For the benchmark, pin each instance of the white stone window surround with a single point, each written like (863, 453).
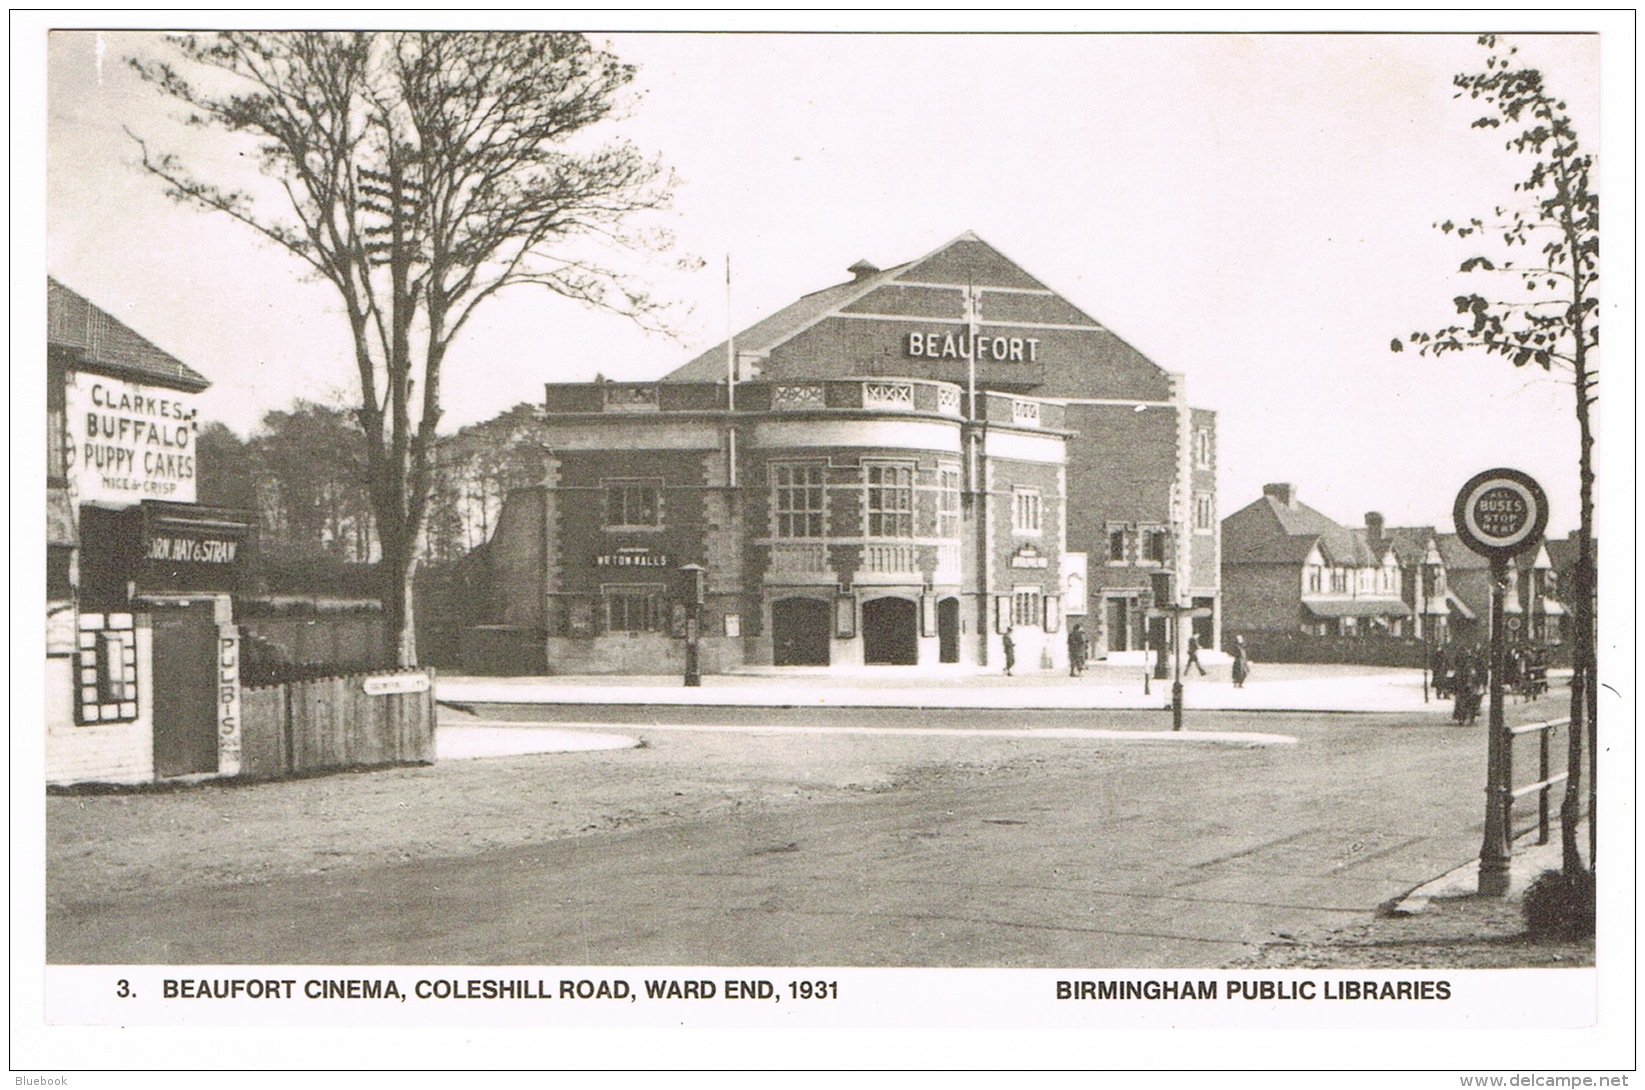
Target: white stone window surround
(1205, 513)
(1025, 512)
(1027, 607)
(799, 500)
(888, 499)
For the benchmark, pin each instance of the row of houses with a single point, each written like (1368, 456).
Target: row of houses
(1291, 574)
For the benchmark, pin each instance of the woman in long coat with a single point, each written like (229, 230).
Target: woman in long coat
(1242, 663)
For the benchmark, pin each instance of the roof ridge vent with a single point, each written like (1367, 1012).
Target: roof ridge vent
(863, 269)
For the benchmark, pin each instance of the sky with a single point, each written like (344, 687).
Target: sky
(1254, 211)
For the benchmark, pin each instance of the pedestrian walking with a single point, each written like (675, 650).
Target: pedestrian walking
(1470, 678)
(1443, 684)
(1010, 650)
(1076, 651)
(1193, 657)
(1242, 663)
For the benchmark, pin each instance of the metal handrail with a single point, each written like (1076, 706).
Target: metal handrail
(1549, 779)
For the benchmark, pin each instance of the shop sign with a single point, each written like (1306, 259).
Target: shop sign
(190, 548)
(228, 701)
(390, 684)
(631, 558)
(949, 346)
(128, 442)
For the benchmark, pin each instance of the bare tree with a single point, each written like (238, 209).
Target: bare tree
(1549, 318)
(422, 173)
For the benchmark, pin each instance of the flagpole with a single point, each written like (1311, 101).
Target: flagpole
(730, 384)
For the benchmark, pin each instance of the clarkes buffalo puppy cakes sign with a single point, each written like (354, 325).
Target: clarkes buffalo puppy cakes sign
(130, 442)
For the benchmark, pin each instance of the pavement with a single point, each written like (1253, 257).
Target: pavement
(1272, 687)
(1527, 860)
(1277, 687)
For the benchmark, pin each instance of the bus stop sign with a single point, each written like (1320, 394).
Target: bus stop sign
(1500, 512)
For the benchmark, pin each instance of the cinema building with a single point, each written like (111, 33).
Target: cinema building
(900, 469)
(142, 678)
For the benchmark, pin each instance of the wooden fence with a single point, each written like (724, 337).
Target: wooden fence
(333, 723)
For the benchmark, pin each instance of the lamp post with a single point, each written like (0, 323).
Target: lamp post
(1175, 612)
(693, 577)
(1422, 619)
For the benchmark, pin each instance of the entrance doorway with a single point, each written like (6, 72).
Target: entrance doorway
(185, 688)
(1119, 624)
(890, 632)
(800, 631)
(948, 630)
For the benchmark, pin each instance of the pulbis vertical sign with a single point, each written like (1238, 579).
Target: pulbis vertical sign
(128, 443)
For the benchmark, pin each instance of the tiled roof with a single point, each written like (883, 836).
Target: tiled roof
(949, 264)
(771, 331)
(1562, 552)
(1410, 543)
(1458, 557)
(1290, 534)
(102, 342)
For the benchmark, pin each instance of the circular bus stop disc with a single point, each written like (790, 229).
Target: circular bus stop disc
(1500, 512)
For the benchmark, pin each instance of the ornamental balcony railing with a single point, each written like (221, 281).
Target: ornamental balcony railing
(799, 558)
(888, 559)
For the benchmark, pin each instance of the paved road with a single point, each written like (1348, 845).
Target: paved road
(1082, 854)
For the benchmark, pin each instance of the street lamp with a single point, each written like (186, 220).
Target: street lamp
(1422, 619)
(1174, 612)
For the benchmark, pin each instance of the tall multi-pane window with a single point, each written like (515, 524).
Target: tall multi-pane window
(1025, 511)
(1205, 512)
(1118, 553)
(633, 503)
(1202, 448)
(948, 503)
(890, 501)
(636, 608)
(1026, 606)
(798, 499)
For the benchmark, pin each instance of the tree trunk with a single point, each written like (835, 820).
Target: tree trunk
(1584, 659)
(396, 574)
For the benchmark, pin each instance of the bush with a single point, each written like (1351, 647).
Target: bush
(1560, 905)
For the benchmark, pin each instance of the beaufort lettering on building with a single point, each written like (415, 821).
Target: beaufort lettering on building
(127, 443)
(950, 346)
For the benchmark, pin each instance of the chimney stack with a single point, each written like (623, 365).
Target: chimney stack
(863, 268)
(1373, 526)
(1286, 494)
